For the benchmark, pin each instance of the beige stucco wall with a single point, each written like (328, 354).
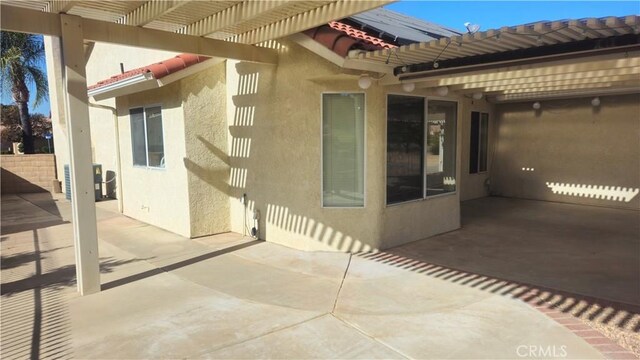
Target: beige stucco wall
(569, 141)
(102, 62)
(277, 111)
(207, 160)
(157, 196)
(275, 136)
(269, 150)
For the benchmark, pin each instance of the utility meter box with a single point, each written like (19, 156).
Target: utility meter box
(97, 181)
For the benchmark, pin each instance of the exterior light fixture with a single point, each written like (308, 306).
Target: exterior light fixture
(595, 102)
(408, 87)
(536, 105)
(477, 95)
(442, 91)
(364, 82)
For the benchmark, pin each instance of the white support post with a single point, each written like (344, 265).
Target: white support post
(85, 233)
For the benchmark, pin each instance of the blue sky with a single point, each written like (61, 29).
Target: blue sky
(488, 14)
(495, 14)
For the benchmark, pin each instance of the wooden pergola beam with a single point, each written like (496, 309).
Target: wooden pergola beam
(307, 20)
(36, 22)
(85, 233)
(612, 80)
(233, 15)
(60, 6)
(149, 11)
(610, 84)
(630, 72)
(609, 61)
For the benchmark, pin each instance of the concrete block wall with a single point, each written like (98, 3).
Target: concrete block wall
(27, 173)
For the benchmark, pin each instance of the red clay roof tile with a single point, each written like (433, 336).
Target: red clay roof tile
(341, 38)
(337, 36)
(158, 70)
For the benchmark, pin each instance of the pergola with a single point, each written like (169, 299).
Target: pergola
(531, 61)
(237, 30)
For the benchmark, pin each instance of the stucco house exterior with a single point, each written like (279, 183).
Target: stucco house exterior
(331, 149)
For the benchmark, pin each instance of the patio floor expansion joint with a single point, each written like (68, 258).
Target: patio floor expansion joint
(344, 276)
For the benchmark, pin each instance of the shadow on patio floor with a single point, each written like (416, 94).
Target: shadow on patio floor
(579, 260)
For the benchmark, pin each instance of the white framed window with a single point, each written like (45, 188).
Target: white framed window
(147, 138)
(421, 147)
(343, 149)
(478, 143)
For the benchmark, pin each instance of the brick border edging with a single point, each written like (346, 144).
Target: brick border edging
(605, 345)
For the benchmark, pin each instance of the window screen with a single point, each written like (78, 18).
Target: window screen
(147, 141)
(343, 150)
(138, 142)
(405, 148)
(155, 143)
(478, 143)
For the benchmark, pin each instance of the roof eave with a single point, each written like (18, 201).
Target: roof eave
(146, 81)
(137, 83)
(348, 62)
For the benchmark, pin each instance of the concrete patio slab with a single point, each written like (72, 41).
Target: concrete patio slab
(20, 215)
(309, 340)
(259, 281)
(491, 328)
(424, 316)
(586, 250)
(168, 317)
(227, 296)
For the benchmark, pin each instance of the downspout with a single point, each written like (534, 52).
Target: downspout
(117, 139)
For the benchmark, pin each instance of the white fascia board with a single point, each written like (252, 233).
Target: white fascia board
(146, 81)
(345, 63)
(126, 86)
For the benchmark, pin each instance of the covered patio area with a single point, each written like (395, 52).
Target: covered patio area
(581, 260)
(580, 249)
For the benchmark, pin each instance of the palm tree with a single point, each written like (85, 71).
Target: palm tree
(19, 59)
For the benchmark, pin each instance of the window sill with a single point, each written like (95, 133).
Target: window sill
(154, 168)
(343, 207)
(423, 199)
